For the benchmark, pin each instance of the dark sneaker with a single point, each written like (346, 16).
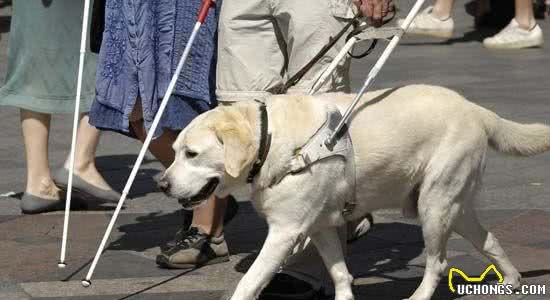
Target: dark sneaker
(230, 212)
(195, 249)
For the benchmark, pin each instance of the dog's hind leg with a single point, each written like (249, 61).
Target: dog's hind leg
(329, 247)
(468, 226)
(438, 206)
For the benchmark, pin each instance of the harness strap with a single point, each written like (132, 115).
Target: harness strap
(315, 150)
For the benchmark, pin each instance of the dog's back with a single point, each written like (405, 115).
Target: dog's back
(402, 135)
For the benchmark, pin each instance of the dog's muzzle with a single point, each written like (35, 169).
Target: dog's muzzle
(203, 194)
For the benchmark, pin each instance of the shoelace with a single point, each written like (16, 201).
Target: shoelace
(191, 236)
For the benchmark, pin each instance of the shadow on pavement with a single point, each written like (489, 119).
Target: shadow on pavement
(476, 35)
(244, 234)
(149, 231)
(157, 284)
(116, 170)
(78, 204)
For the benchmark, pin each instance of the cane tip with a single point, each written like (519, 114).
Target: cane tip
(86, 283)
(61, 265)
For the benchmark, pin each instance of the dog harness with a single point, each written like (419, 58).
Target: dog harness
(312, 151)
(316, 150)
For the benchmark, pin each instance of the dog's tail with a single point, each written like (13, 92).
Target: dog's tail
(514, 138)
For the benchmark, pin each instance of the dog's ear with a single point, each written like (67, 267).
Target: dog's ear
(238, 145)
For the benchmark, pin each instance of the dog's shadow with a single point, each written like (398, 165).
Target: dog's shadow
(384, 262)
(388, 248)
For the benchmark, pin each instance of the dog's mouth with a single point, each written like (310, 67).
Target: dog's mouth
(203, 194)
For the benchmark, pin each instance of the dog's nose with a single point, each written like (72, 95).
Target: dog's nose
(164, 185)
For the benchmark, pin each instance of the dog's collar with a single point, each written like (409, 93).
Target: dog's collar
(265, 142)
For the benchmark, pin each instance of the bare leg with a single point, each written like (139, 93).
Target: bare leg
(36, 127)
(210, 216)
(524, 14)
(443, 9)
(160, 147)
(87, 141)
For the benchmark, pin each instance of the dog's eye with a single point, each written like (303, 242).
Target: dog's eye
(190, 154)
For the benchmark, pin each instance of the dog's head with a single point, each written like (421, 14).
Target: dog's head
(211, 154)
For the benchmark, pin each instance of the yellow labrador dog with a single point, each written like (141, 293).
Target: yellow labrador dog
(418, 147)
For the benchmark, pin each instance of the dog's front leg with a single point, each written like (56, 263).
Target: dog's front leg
(276, 248)
(329, 247)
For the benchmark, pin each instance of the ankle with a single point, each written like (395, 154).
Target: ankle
(43, 186)
(440, 14)
(526, 23)
(82, 166)
(209, 229)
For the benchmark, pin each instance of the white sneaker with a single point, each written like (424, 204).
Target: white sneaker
(515, 37)
(427, 24)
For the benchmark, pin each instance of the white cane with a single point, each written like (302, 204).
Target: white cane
(374, 71)
(206, 4)
(325, 74)
(61, 263)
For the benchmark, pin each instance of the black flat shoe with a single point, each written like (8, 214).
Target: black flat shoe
(84, 190)
(31, 204)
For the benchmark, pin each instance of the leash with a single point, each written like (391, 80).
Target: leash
(375, 70)
(292, 81)
(358, 29)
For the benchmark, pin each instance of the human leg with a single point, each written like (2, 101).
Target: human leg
(525, 15)
(85, 167)
(36, 129)
(208, 217)
(434, 20)
(442, 9)
(306, 27)
(41, 193)
(88, 183)
(242, 74)
(251, 53)
(522, 32)
(207, 223)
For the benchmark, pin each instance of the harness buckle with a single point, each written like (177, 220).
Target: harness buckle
(298, 163)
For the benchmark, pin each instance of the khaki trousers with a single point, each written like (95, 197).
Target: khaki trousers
(262, 43)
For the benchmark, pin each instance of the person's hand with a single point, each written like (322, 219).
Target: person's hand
(374, 10)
